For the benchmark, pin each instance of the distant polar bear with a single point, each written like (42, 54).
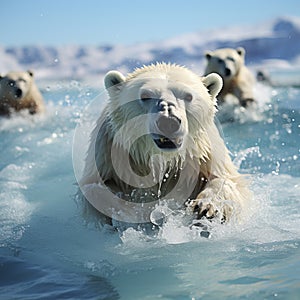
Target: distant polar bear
(237, 79)
(156, 139)
(18, 91)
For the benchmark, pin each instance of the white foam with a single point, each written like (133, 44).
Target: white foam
(15, 210)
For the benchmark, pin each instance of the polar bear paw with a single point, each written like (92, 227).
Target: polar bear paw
(201, 208)
(206, 206)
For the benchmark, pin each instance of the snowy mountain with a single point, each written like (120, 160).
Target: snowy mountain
(276, 43)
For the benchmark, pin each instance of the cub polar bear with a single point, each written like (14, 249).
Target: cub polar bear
(18, 91)
(237, 79)
(156, 139)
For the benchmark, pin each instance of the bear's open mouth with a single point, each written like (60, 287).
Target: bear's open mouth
(163, 142)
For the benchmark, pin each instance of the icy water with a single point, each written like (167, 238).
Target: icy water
(47, 251)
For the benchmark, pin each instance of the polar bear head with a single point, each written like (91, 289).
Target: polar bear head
(15, 85)
(226, 62)
(170, 101)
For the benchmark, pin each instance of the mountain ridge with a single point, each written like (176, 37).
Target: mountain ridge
(274, 42)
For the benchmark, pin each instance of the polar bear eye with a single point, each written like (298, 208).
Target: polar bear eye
(146, 95)
(231, 59)
(188, 97)
(220, 60)
(182, 94)
(11, 83)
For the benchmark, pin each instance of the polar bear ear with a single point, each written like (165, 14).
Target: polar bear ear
(113, 81)
(208, 55)
(241, 51)
(213, 83)
(30, 73)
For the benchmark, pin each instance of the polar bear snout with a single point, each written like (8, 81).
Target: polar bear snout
(168, 133)
(168, 128)
(15, 89)
(168, 125)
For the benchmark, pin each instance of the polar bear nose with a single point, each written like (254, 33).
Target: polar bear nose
(18, 93)
(164, 105)
(168, 125)
(227, 72)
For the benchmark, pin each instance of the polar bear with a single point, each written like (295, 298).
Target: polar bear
(156, 139)
(18, 91)
(237, 79)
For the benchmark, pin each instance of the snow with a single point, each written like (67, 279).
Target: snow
(275, 43)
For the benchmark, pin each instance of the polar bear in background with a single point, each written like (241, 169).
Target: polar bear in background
(237, 79)
(18, 91)
(156, 139)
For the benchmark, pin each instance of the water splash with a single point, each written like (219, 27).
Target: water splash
(243, 154)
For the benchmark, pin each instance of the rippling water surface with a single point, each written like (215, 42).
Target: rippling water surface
(48, 252)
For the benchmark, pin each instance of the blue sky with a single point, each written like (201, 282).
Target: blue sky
(61, 22)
